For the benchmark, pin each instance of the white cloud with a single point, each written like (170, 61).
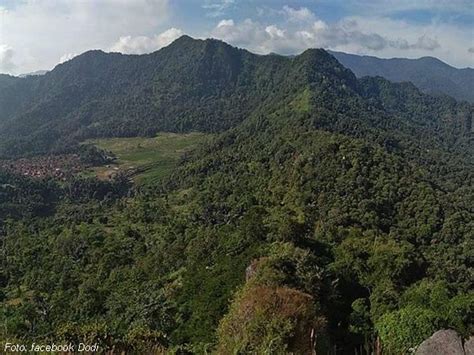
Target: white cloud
(247, 34)
(225, 23)
(425, 42)
(264, 39)
(275, 32)
(217, 8)
(44, 30)
(144, 44)
(6, 58)
(66, 57)
(368, 35)
(298, 15)
(319, 25)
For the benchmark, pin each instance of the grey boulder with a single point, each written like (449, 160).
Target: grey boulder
(443, 342)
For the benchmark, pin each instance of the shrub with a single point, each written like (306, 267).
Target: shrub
(406, 328)
(269, 320)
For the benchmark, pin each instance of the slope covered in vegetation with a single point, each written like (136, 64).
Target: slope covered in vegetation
(191, 85)
(351, 200)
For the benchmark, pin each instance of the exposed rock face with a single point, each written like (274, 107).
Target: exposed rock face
(443, 342)
(469, 346)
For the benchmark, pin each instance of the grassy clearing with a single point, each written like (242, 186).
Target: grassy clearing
(146, 159)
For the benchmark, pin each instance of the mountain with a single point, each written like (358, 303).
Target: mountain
(429, 74)
(326, 212)
(191, 85)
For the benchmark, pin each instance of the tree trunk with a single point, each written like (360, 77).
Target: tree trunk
(378, 346)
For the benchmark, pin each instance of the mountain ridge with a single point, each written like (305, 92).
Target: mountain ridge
(204, 85)
(429, 74)
(143, 86)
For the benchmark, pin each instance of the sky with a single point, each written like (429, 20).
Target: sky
(39, 34)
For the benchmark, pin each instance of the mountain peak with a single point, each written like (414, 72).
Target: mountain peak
(318, 56)
(324, 68)
(92, 53)
(184, 39)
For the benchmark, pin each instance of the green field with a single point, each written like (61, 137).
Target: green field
(146, 159)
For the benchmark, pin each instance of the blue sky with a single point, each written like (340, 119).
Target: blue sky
(38, 34)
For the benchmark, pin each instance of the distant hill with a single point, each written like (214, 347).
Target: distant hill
(429, 74)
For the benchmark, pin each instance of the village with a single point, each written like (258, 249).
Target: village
(60, 167)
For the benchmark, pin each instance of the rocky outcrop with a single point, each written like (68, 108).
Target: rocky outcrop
(469, 346)
(443, 342)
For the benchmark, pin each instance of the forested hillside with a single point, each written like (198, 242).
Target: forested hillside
(190, 85)
(329, 212)
(7, 80)
(429, 74)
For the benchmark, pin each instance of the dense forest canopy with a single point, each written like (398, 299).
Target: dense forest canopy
(325, 205)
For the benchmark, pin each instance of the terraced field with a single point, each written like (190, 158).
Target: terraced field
(146, 159)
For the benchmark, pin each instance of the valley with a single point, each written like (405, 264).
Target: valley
(146, 160)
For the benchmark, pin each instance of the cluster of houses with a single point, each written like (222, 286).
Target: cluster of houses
(58, 166)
